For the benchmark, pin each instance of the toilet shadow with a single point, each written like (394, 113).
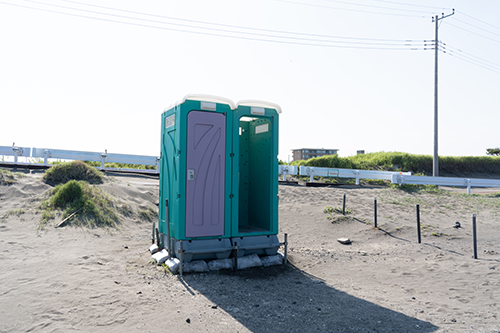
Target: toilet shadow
(287, 299)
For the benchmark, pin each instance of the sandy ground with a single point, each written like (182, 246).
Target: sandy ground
(73, 279)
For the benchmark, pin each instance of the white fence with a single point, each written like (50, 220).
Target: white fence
(395, 177)
(105, 157)
(445, 181)
(348, 173)
(80, 155)
(287, 170)
(15, 151)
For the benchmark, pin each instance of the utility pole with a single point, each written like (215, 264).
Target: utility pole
(435, 159)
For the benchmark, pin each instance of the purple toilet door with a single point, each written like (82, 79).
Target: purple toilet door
(205, 176)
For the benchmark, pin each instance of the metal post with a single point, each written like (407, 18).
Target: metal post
(375, 212)
(343, 206)
(435, 162)
(418, 224)
(167, 220)
(474, 235)
(181, 251)
(153, 234)
(357, 177)
(16, 153)
(284, 175)
(286, 250)
(468, 186)
(157, 238)
(235, 256)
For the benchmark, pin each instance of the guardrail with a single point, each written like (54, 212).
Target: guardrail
(287, 170)
(94, 156)
(46, 153)
(445, 181)
(15, 151)
(348, 173)
(105, 157)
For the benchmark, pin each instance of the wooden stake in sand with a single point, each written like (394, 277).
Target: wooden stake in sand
(286, 250)
(474, 238)
(66, 219)
(418, 224)
(181, 257)
(153, 233)
(235, 256)
(343, 206)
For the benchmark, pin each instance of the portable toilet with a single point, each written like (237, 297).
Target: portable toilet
(255, 178)
(218, 178)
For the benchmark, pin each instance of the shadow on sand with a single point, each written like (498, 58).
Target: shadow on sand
(287, 299)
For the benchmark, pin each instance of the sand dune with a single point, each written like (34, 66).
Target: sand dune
(73, 279)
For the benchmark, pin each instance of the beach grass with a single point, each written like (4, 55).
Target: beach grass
(8, 177)
(398, 161)
(92, 206)
(75, 170)
(147, 214)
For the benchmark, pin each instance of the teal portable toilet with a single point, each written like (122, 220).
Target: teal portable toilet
(255, 178)
(218, 178)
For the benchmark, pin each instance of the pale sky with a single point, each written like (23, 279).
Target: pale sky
(97, 75)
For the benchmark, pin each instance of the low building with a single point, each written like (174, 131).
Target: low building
(307, 153)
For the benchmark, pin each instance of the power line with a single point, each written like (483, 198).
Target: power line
(350, 10)
(475, 26)
(407, 4)
(246, 28)
(377, 7)
(365, 46)
(474, 33)
(472, 17)
(174, 24)
(461, 57)
(470, 60)
(449, 48)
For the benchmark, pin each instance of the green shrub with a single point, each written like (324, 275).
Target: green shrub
(417, 164)
(493, 151)
(70, 193)
(76, 170)
(94, 208)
